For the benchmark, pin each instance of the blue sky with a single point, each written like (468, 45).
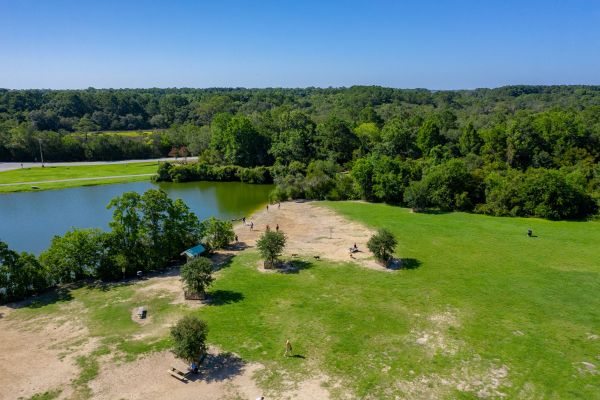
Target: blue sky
(433, 44)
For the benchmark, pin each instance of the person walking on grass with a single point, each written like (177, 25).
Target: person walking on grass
(288, 348)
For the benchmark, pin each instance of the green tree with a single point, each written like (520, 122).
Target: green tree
(429, 136)
(470, 141)
(196, 275)
(382, 245)
(335, 140)
(149, 230)
(217, 233)
(76, 255)
(271, 245)
(362, 172)
(239, 142)
(20, 274)
(416, 195)
(189, 338)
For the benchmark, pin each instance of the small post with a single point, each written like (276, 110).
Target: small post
(41, 154)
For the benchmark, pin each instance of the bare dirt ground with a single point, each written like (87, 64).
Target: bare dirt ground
(39, 355)
(312, 230)
(222, 376)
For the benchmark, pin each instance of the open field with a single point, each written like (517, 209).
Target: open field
(481, 311)
(60, 177)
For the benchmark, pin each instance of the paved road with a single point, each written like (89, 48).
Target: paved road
(15, 165)
(74, 179)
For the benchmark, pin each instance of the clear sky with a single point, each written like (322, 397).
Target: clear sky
(439, 44)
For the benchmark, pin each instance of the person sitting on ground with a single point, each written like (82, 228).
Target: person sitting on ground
(194, 367)
(268, 228)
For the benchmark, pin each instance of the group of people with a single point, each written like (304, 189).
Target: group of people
(252, 222)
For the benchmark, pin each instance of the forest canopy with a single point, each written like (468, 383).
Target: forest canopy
(515, 150)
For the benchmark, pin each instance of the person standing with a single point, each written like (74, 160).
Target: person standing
(251, 225)
(288, 348)
(277, 228)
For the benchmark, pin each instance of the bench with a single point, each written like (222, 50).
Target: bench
(177, 374)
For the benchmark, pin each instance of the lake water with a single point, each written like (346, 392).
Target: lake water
(29, 220)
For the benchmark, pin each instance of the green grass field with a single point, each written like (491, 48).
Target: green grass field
(486, 310)
(75, 172)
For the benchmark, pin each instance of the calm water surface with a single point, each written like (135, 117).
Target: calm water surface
(29, 220)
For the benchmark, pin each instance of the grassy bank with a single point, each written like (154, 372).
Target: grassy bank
(484, 310)
(46, 178)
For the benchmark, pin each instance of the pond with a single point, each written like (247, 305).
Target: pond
(29, 220)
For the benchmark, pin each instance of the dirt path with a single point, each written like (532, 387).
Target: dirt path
(312, 230)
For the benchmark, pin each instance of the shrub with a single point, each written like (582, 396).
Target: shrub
(196, 275)
(382, 244)
(416, 195)
(189, 338)
(271, 245)
(217, 233)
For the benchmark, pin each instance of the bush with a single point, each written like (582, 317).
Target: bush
(189, 338)
(416, 195)
(382, 245)
(20, 275)
(196, 275)
(76, 255)
(217, 233)
(271, 245)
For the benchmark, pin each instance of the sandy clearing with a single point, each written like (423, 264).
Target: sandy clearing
(312, 230)
(40, 355)
(225, 376)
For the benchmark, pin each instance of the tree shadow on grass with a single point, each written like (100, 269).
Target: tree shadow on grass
(293, 266)
(219, 367)
(222, 297)
(58, 295)
(403, 263)
(221, 260)
(238, 246)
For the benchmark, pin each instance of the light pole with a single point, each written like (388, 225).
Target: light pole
(41, 154)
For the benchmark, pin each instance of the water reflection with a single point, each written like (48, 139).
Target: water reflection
(29, 220)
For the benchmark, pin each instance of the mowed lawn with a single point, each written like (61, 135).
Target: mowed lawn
(490, 302)
(75, 172)
(485, 311)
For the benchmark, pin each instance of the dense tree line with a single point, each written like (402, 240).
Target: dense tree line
(518, 150)
(148, 232)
